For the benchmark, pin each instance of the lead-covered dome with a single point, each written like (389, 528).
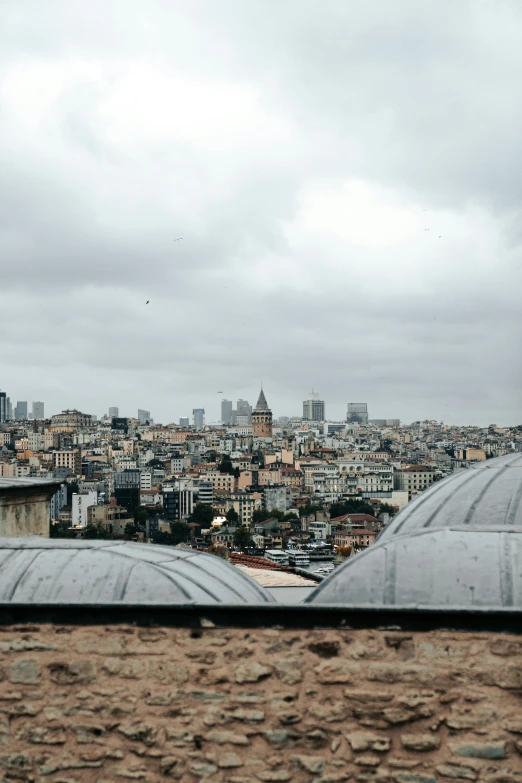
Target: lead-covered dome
(54, 571)
(458, 545)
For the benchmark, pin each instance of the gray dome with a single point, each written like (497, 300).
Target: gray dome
(487, 494)
(60, 571)
(457, 546)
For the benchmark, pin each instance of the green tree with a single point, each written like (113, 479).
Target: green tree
(241, 538)
(61, 530)
(155, 463)
(232, 516)
(386, 508)
(352, 506)
(203, 514)
(225, 466)
(141, 515)
(96, 531)
(259, 515)
(72, 488)
(180, 532)
(237, 472)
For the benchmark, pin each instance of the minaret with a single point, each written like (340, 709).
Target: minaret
(262, 418)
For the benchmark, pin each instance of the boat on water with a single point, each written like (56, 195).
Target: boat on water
(321, 553)
(277, 556)
(298, 559)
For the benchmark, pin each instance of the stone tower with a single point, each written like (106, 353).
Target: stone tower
(262, 418)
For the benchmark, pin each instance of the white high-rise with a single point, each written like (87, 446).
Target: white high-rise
(314, 408)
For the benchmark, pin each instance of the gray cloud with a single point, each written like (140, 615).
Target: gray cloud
(301, 152)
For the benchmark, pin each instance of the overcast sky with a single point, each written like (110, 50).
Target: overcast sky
(346, 177)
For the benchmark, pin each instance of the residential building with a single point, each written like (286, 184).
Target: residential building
(179, 501)
(244, 505)
(357, 413)
(21, 410)
(114, 413)
(68, 458)
(58, 501)
(145, 480)
(275, 498)
(385, 422)
(226, 411)
(205, 491)
(38, 410)
(313, 408)
(127, 489)
(70, 421)
(143, 416)
(262, 418)
(80, 504)
(199, 418)
(413, 479)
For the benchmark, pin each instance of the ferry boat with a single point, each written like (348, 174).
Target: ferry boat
(276, 556)
(298, 558)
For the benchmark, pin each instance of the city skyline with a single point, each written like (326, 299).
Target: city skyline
(213, 414)
(352, 229)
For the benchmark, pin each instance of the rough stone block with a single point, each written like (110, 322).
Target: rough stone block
(395, 672)
(140, 732)
(252, 672)
(273, 776)
(168, 671)
(337, 671)
(44, 735)
(71, 673)
(227, 738)
(420, 742)
(172, 767)
(289, 670)
(367, 761)
(313, 764)
(480, 750)
(229, 760)
(26, 671)
(359, 741)
(458, 773)
(412, 777)
(203, 770)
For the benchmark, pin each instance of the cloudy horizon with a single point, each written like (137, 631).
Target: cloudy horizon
(345, 178)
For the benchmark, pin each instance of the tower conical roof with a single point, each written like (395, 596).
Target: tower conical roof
(262, 404)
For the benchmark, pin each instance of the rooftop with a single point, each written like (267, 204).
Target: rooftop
(64, 571)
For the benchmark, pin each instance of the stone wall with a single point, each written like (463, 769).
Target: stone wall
(124, 703)
(25, 512)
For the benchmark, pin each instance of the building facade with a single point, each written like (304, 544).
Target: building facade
(38, 410)
(3, 406)
(21, 410)
(113, 412)
(199, 418)
(69, 421)
(143, 416)
(357, 413)
(226, 411)
(68, 458)
(314, 408)
(262, 418)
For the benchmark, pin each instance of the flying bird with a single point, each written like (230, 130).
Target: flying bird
(178, 239)
(148, 300)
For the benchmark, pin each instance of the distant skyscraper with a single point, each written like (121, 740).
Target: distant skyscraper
(3, 406)
(357, 413)
(114, 413)
(184, 421)
(199, 417)
(313, 408)
(8, 409)
(143, 416)
(226, 411)
(38, 410)
(21, 410)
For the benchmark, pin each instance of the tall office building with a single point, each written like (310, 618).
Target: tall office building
(21, 410)
(38, 410)
(226, 411)
(313, 408)
(127, 488)
(357, 413)
(8, 409)
(199, 417)
(114, 413)
(3, 406)
(184, 421)
(143, 416)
